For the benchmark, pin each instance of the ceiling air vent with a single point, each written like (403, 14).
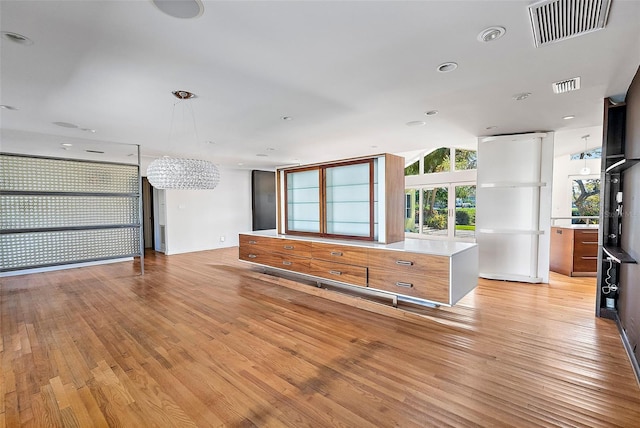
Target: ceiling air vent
(566, 85)
(556, 20)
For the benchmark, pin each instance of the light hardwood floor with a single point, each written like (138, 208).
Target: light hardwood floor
(204, 340)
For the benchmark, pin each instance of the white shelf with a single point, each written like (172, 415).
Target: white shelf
(502, 184)
(512, 231)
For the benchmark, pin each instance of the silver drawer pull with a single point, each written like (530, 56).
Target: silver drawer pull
(336, 253)
(590, 242)
(253, 242)
(404, 284)
(404, 263)
(252, 256)
(335, 272)
(589, 258)
(288, 247)
(286, 263)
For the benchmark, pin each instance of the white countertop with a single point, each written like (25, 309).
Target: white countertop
(578, 226)
(412, 245)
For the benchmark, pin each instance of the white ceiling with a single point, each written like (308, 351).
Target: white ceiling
(350, 74)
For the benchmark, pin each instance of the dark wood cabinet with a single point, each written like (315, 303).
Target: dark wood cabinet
(574, 250)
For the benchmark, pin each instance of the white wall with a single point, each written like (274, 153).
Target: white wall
(197, 219)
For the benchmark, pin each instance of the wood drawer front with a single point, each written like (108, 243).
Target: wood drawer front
(339, 253)
(585, 264)
(585, 249)
(263, 242)
(279, 245)
(428, 287)
(294, 247)
(417, 275)
(268, 258)
(586, 235)
(355, 275)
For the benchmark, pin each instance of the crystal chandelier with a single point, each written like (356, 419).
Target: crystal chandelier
(180, 173)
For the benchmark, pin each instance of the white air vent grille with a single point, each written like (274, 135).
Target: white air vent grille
(556, 20)
(566, 85)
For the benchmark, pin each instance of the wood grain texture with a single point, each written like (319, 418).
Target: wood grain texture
(394, 198)
(339, 253)
(561, 250)
(428, 274)
(278, 245)
(206, 340)
(350, 274)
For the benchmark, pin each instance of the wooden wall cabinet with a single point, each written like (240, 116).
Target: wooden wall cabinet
(574, 250)
(356, 199)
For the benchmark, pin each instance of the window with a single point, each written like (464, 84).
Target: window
(466, 159)
(589, 154)
(413, 169)
(441, 194)
(439, 160)
(585, 200)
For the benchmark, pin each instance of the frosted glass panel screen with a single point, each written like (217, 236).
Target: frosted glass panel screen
(29, 211)
(303, 201)
(348, 200)
(27, 250)
(56, 175)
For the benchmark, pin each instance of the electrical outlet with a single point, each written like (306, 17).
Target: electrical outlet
(222, 238)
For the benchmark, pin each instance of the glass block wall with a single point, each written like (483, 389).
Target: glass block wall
(57, 211)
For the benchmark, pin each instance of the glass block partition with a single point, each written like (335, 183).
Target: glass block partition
(60, 211)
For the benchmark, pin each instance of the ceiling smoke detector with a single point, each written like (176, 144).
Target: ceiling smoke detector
(184, 95)
(557, 20)
(567, 85)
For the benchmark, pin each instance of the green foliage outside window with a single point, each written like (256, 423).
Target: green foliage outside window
(586, 198)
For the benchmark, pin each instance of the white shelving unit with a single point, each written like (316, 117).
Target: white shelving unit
(513, 216)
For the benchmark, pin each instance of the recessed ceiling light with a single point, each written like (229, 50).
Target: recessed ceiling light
(210, 142)
(490, 127)
(490, 34)
(184, 9)
(431, 112)
(66, 144)
(416, 123)
(569, 117)
(522, 96)
(88, 130)
(17, 38)
(65, 124)
(240, 164)
(287, 118)
(447, 67)
(183, 95)
(270, 149)
(6, 107)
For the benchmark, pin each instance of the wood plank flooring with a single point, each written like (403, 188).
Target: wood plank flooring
(204, 340)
